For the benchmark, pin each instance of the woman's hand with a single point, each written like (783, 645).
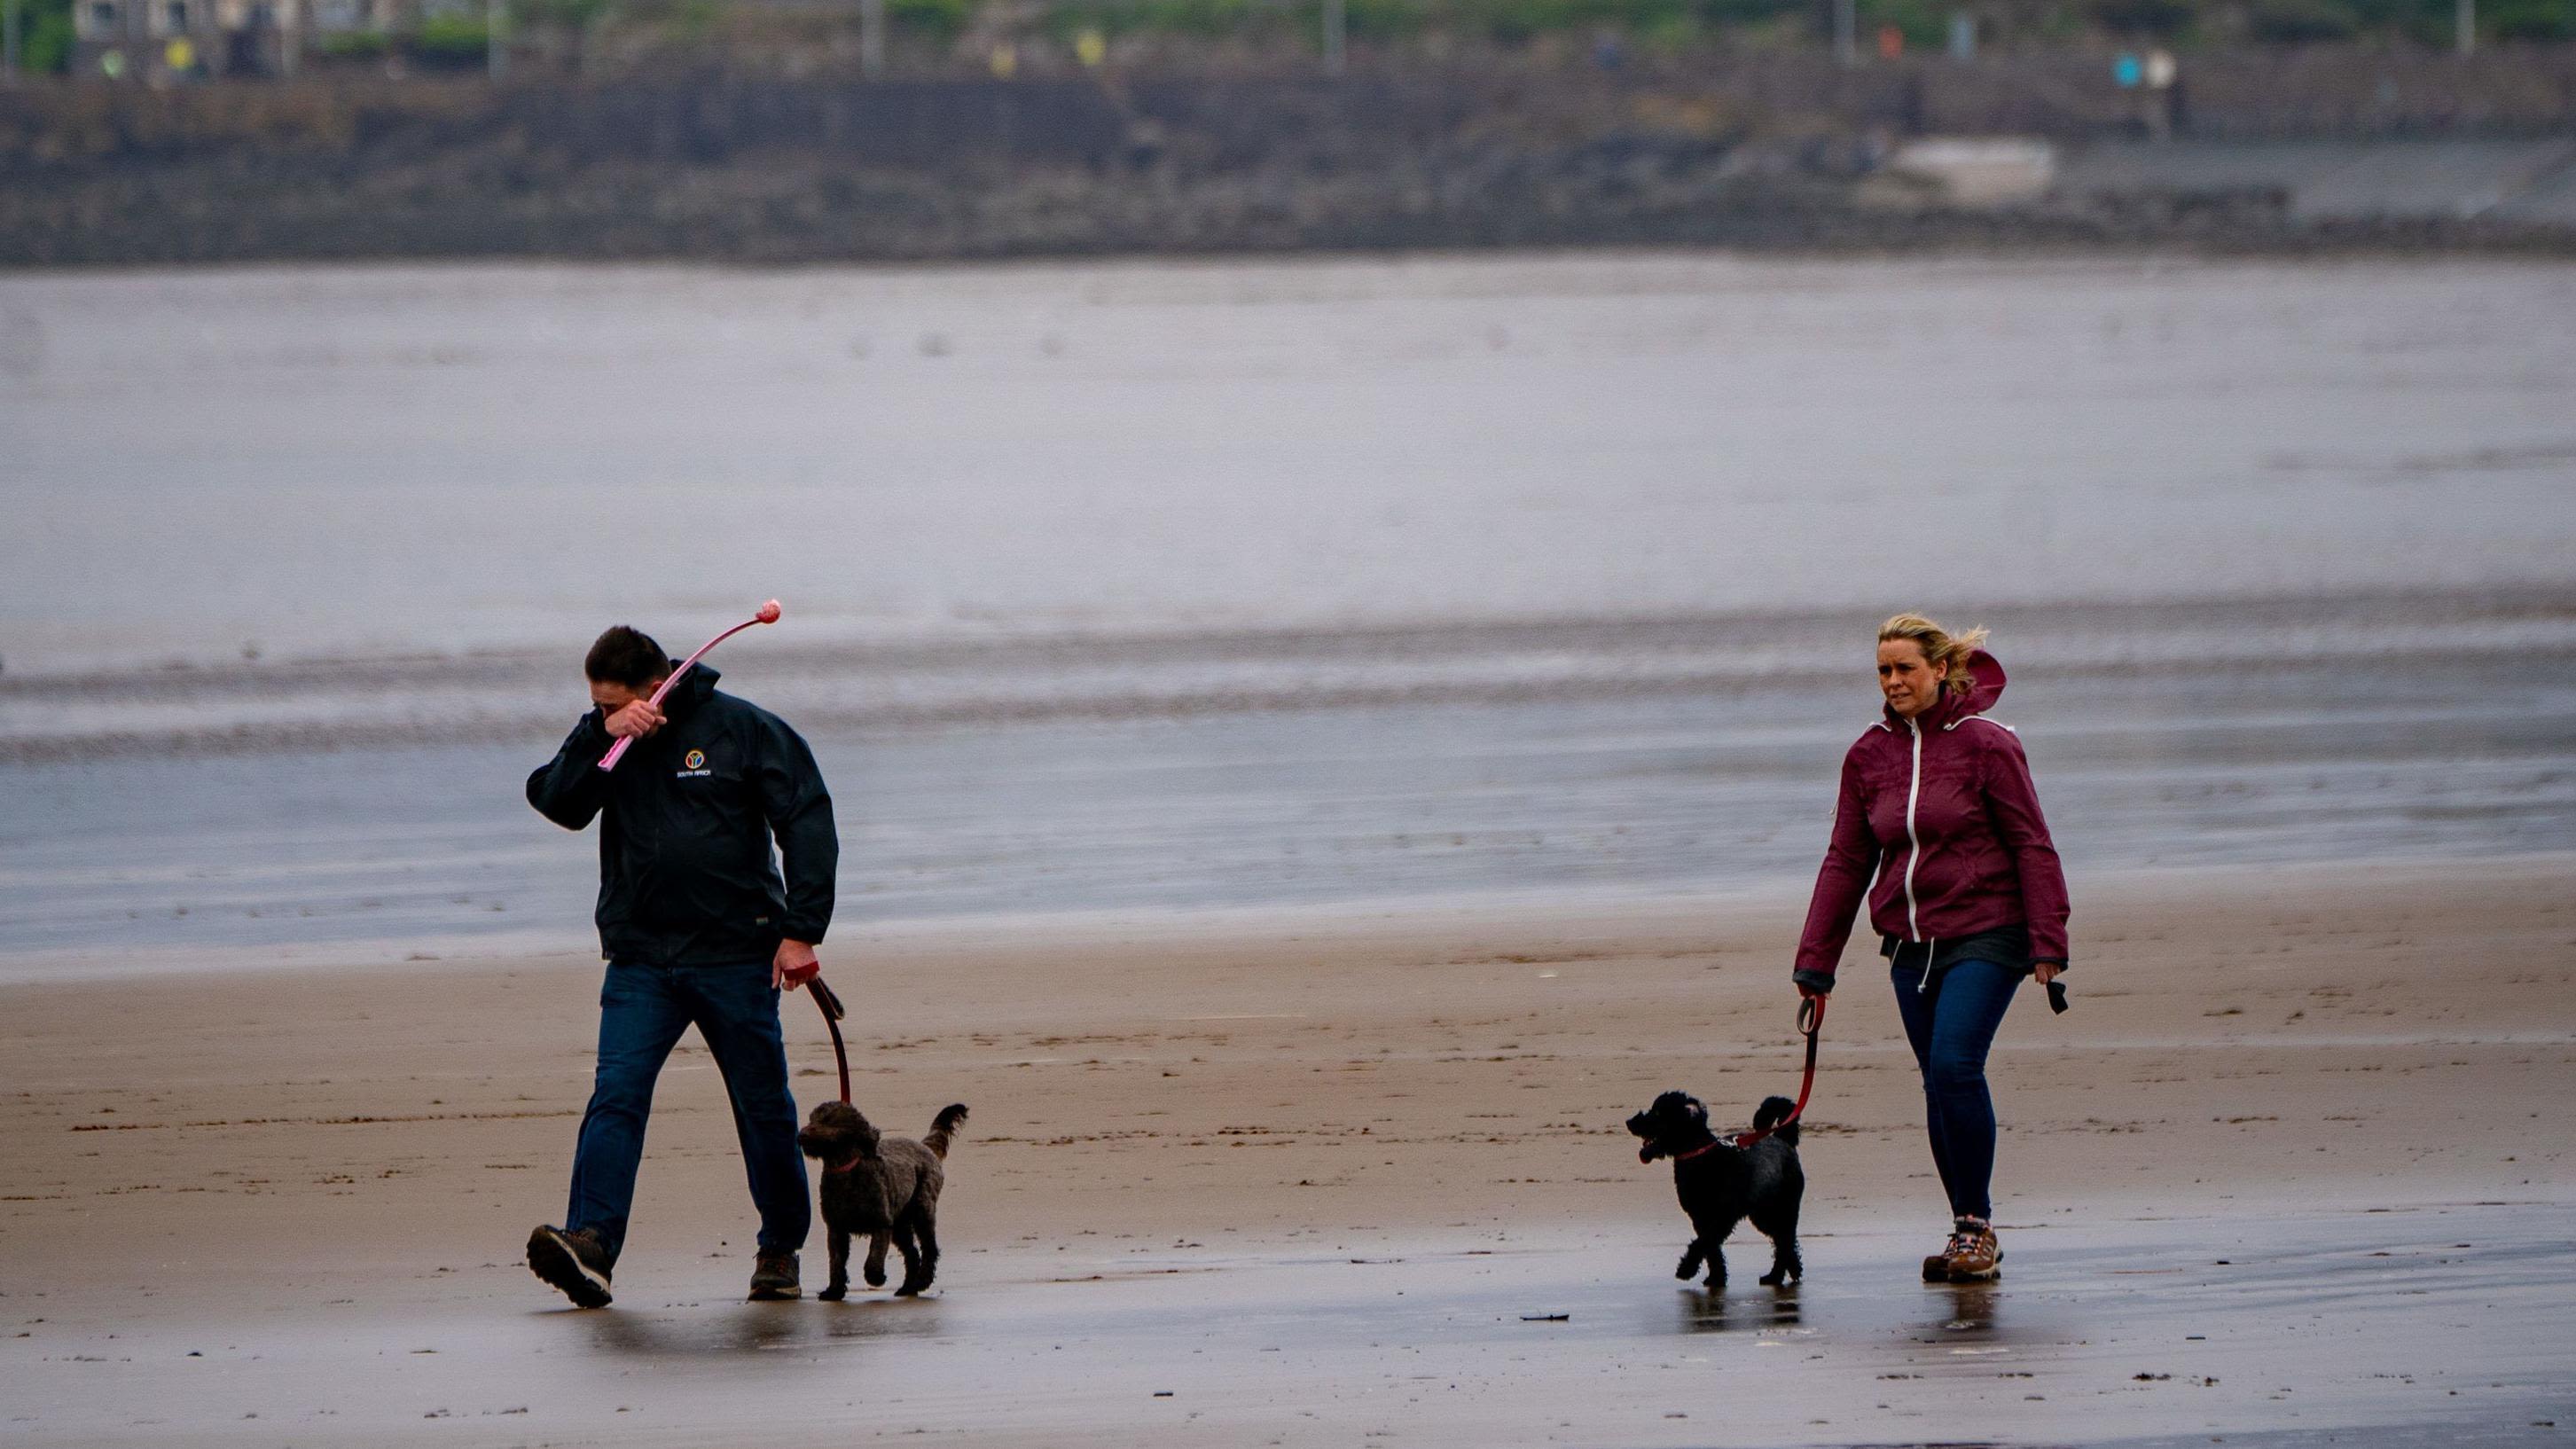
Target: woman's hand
(2047, 971)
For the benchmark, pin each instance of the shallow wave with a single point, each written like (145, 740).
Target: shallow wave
(355, 704)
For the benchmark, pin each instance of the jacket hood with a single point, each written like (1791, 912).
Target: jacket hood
(1988, 673)
(695, 688)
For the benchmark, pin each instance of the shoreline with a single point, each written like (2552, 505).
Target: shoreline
(1356, 922)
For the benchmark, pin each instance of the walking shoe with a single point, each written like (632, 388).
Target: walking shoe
(574, 1262)
(774, 1278)
(1936, 1269)
(1979, 1257)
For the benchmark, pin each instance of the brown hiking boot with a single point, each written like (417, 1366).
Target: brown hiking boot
(1936, 1269)
(773, 1278)
(573, 1262)
(1979, 1257)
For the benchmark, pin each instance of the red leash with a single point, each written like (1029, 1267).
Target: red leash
(1811, 1020)
(829, 1003)
(833, 1011)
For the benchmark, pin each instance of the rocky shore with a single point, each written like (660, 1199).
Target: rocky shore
(1752, 156)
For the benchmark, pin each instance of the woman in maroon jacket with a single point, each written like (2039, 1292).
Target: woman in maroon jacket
(1939, 829)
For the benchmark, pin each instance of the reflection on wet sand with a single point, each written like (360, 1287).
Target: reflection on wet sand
(1973, 1313)
(752, 1327)
(2119, 1330)
(1703, 1311)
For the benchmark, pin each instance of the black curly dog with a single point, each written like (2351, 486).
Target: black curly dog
(1721, 1184)
(881, 1188)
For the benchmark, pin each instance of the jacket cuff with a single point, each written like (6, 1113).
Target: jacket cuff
(1819, 982)
(809, 932)
(2060, 962)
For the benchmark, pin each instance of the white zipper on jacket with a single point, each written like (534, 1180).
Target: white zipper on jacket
(1913, 853)
(1913, 843)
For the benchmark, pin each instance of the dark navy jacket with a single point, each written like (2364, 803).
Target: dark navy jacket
(685, 872)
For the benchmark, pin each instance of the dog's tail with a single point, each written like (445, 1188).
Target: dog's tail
(1773, 1110)
(943, 1127)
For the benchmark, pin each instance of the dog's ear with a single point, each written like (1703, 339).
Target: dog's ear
(1698, 1111)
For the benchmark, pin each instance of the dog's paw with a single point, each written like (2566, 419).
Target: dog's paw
(1770, 1280)
(1687, 1267)
(876, 1276)
(834, 1294)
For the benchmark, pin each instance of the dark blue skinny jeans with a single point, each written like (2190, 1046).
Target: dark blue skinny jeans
(1950, 1028)
(642, 1011)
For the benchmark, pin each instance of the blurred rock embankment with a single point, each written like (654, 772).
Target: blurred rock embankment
(2267, 150)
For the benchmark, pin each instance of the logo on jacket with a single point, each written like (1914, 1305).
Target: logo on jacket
(694, 766)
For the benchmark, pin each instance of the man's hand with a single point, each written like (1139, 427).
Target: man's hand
(793, 966)
(637, 719)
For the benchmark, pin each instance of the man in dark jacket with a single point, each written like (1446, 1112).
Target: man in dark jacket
(698, 927)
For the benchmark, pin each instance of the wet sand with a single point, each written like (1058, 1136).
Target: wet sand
(1313, 1173)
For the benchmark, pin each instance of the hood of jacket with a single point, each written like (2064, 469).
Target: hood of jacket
(1986, 671)
(694, 689)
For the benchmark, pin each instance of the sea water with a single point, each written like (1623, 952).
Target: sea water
(1150, 586)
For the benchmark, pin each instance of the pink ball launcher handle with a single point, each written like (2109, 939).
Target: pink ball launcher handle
(768, 615)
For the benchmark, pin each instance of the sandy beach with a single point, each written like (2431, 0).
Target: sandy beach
(1307, 1172)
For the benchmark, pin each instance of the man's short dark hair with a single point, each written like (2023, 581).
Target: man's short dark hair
(626, 656)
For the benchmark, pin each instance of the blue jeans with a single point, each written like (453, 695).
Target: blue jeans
(1950, 1029)
(642, 1011)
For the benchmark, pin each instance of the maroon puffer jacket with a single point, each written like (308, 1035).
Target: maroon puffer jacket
(1940, 827)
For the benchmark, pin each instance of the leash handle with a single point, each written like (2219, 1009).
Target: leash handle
(1811, 1020)
(827, 999)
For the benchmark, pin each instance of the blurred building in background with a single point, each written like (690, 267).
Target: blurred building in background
(1014, 38)
(203, 39)
(148, 38)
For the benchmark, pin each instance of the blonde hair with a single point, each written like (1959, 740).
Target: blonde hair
(1942, 650)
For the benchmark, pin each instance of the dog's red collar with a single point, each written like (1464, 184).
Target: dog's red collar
(844, 1167)
(1700, 1151)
